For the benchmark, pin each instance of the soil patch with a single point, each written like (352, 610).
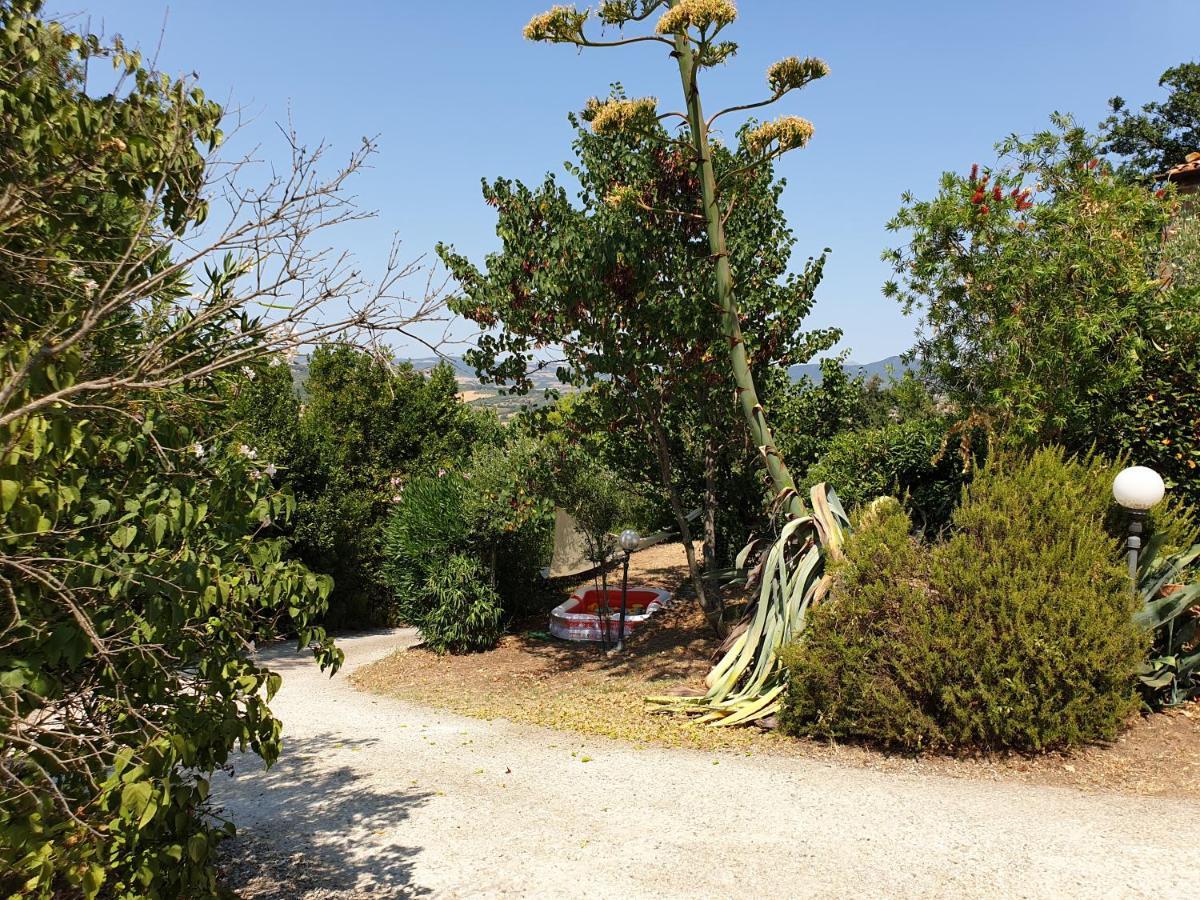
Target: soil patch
(533, 679)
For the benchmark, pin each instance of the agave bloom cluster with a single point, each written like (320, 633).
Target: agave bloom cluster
(789, 132)
(617, 115)
(794, 72)
(617, 12)
(560, 23)
(700, 14)
(620, 195)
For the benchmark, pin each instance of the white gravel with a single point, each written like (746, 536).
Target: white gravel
(377, 798)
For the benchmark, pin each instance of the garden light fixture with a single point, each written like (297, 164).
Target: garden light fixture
(630, 540)
(1137, 488)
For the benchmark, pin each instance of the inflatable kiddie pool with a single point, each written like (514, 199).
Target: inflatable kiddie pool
(579, 619)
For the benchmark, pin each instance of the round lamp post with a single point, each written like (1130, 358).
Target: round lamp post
(1137, 488)
(629, 542)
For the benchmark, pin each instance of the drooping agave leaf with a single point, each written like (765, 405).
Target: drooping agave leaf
(746, 683)
(1172, 674)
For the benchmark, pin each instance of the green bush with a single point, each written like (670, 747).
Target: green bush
(898, 459)
(465, 610)
(364, 427)
(493, 513)
(1016, 632)
(423, 531)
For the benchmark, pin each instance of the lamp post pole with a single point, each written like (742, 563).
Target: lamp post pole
(1136, 488)
(629, 542)
(1133, 543)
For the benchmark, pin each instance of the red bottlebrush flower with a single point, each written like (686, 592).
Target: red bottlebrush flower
(974, 172)
(1014, 193)
(1160, 193)
(983, 209)
(977, 197)
(1092, 163)
(997, 194)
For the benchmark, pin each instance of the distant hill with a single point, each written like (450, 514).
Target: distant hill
(888, 369)
(489, 394)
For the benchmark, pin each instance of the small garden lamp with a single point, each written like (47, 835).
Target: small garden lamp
(629, 542)
(1136, 488)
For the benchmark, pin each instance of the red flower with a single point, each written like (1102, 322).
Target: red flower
(977, 197)
(1093, 163)
(997, 194)
(983, 210)
(974, 172)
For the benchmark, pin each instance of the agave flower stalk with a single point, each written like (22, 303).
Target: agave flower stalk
(748, 681)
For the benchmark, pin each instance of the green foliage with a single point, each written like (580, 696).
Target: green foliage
(465, 609)
(1038, 283)
(620, 287)
(132, 557)
(364, 427)
(1016, 632)
(1162, 133)
(1181, 250)
(509, 513)
(493, 514)
(1171, 610)
(425, 528)
(903, 458)
(809, 415)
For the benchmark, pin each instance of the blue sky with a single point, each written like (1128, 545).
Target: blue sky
(454, 94)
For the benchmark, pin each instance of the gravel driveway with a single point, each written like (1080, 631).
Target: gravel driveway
(373, 797)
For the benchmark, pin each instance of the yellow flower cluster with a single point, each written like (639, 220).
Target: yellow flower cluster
(561, 23)
(612, 116)
(617, 12)
(696, 14)
(620, 195)
(789, 132)
(794, 72)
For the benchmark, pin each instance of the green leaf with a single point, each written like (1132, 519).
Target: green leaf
(9, 490)
(135, 798)
(197, 847)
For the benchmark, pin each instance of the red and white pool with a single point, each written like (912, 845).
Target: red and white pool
(579, 618)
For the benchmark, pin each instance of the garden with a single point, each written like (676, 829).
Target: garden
(984, 565)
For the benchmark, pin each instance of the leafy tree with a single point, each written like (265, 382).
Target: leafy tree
(1162, 133)
(1038, 286)
(615, 286)
(691, 31)
(133, 562)
(365, 426)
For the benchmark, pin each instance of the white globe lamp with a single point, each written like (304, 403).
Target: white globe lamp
(1138, 489)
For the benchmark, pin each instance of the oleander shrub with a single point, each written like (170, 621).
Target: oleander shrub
(494, 513)
(465, 613)
(1014, 632)
(904, 459)
(424, 529)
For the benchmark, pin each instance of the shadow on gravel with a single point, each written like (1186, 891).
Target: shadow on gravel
(308, 829)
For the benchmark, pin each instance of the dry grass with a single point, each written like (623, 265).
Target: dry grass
(575, 687)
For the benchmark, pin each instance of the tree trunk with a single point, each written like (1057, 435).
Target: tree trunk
(710, 506)
(713, 612)
(781, 479)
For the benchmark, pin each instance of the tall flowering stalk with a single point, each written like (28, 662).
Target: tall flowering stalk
(691, 29)
(747, 683)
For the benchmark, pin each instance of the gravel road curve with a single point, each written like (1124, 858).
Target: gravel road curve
(373, 797)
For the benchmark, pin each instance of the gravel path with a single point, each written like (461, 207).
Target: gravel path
(377, 798)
